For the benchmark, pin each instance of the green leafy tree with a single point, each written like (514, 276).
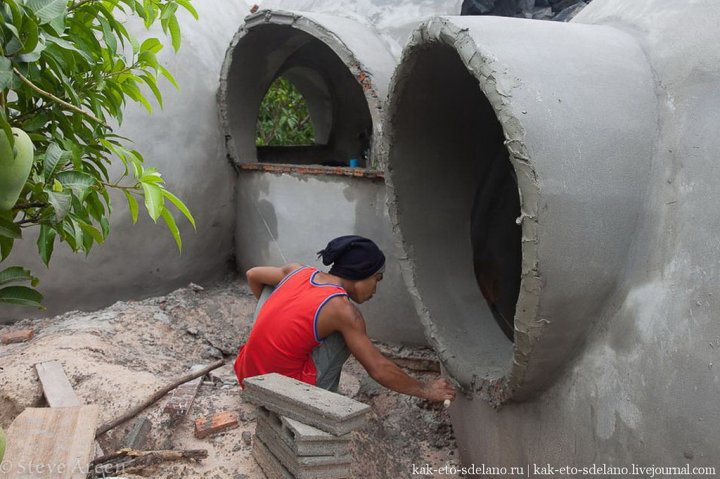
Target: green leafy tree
(67, 69)
(283, 118)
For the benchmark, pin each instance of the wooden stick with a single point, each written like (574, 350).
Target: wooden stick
(156, 397)
(134, 460)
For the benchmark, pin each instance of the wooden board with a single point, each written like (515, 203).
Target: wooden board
(51, 442)
(56, 387)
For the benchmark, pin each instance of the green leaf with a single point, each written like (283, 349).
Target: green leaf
(168, 10)
(108, 35)
(180, 206)
(6, 73)
(6, 246)
(48, 10)
(77, 181)
(15, 274)
(172, 226)
(168, 76)
(92, 231)
(46, 243)
(29, 35)
(21, 295)
(175, 35)
(132, 205)
(152, 84)
(61, 203)
(188, 6)
(154, 200)
(151, 45)
(9, 229)
(54, 160)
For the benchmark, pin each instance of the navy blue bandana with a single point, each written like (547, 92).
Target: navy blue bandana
(353, 257)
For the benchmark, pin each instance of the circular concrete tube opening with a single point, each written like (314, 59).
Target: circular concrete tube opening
(516, 154)
(342, 84)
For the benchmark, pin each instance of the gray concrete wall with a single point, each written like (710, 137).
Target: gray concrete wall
(185, 142)
(642, 386)
(283, 218)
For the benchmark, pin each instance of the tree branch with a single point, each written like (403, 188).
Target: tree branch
(79, 4)
(57, 100)
(31, 204)
(156, 397)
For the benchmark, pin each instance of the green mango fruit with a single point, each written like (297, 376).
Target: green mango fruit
(2, 444)
(15, 166)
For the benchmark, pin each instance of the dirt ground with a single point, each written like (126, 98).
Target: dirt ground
(119, 356)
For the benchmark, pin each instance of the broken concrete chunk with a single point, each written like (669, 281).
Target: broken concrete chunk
(308, 404)
(217, 423)
(17, 336)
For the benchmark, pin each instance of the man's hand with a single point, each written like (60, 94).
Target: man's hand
(438, 390)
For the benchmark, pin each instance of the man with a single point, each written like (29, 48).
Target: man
(308, 327)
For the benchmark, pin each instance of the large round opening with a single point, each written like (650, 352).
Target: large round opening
(457, 207)
(336, 101)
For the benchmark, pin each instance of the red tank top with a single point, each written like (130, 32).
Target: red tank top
(285, 331)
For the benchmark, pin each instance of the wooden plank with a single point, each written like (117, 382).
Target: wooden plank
(51, 442)
(183, 396)
(56, 387)
(217, 423)
(17, 336)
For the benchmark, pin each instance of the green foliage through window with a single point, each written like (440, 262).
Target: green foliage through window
(284, 119)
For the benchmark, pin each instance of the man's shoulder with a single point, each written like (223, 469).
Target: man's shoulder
(340, 309)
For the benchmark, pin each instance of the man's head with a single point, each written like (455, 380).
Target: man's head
(358, 261)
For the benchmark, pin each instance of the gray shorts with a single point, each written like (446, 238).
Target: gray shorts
(328, 357)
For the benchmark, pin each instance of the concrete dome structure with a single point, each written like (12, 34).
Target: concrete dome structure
(606, 133)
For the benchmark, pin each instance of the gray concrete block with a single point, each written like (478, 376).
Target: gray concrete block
(328, 411)
(308, 467)
(270, 464)
(304, 440)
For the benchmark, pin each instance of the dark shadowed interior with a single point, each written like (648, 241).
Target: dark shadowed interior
(457, 206)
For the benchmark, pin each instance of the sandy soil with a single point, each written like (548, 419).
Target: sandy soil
(119, 356)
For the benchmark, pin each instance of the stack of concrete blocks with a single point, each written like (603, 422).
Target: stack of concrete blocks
(303, 432)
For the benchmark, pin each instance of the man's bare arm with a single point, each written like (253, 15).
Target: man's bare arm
(344, 317)
(260, 276)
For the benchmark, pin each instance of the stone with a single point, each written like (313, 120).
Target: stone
(17, 336)
(308, 404)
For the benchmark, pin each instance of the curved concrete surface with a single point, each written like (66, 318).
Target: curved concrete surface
(341, 67)
(573, 109)
(185, 142)
(643, 390)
